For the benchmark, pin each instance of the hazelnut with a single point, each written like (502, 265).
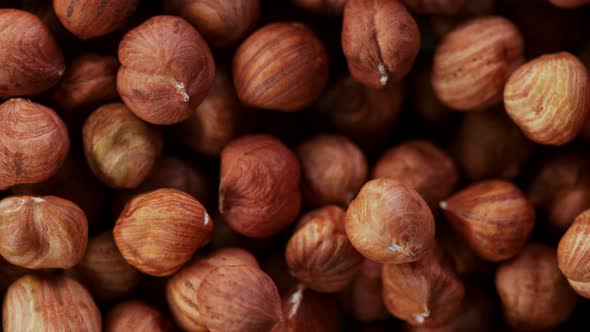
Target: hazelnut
(548, 98)
(334, 169)
(30, 58)
(362, 113)
(215, 122)
(287, 85)
(92, 18)
(159, 231)
(166, 70)
(259, 191)
(75, 182)
(572, 254)
(34, 142)
(489, 145)
(49, 303)
(169, 172)
(443, 24)
(473, 62)
(104, 271)
(559, 189)
(228, 301)
(42, 232)
(494, 217)
(326, 7)
(136, 316)
(223, 22)
(320, 255)
(477, 313)
(437, 7)
(380, 40)
(306, 310)
(181, 289)
(421, 165)
(367, 293)
(424, 293)
(120, 148)
(389, 222)
(534, 293)
(90, 79)
(569, 3)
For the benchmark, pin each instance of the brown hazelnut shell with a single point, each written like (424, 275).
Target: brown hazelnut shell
(104, 271)
(425, 293)
(365, 114)
(259, 192)
(472, 63)
(120, 148)
(30, 58)
(488, 145)
(389, 222)
(221, 23)
(34, 142)
(534, 293)
(421, 165)
(89, 79)
(367, 293)
(549, 97)
(159, 231)
(573, 256)
(334, 169)
(559, 189)
(215, 122)
(135, 315)
(239, 298)
(166, 70)
(380, 40)
(49, 303)
(569, 3)
(319, 253)
(42, 232)
(494, 217)
(92, 18)
(181, 289)
(308, 311)
(287, 85)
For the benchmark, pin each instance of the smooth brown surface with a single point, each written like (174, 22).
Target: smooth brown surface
(534, 293)
(159, 231)
(42, 232)
(30, 58)
(166, 70)
(424, 293)
(120, 148)
(136, 316)
(34, 142)
(494, 217)
(222, 22)
(380, 40)
(92, 18)
(319, 253)
(421, 165)
(281, 66)
(334, 169)
(49, 303)
(473, 62)
(389, 222)
(182, 288)
(259, 192)
(548, 98)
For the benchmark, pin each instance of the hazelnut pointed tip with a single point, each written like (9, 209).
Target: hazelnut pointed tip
(383, 76)
(443, 205)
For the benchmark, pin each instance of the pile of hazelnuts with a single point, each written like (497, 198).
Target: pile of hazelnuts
(294, 165)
